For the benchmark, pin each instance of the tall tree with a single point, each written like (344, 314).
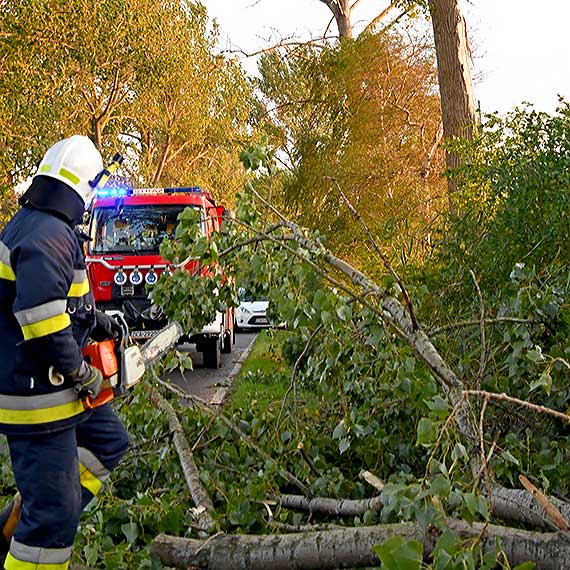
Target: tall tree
(359, 117)
(341, 10)
(136, 75)
(454, 73)
(196, 106)
(453, 61)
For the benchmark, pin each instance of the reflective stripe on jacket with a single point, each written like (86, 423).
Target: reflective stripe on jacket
(46, 315)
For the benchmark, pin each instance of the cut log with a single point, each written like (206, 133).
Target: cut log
(518, 505)
(329, 506)
(350, 548)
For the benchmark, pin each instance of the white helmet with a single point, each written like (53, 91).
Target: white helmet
(75, 162)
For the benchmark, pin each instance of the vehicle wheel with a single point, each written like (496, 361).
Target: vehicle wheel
(227, 344)
(211, 353)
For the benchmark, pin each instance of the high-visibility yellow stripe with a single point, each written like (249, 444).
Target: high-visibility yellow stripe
(79, 289)
(45, 168)
(6, 272)
(41, 415)
(15, 564)
(73, 178)
(47, 326)
(88, 480)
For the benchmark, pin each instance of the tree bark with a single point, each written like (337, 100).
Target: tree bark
(518, 505)
(327, 505)
(509, 505)
(341, 13)
(350, 548)
(204, 506)
(454, 75)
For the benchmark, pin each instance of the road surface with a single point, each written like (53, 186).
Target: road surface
(208, 383)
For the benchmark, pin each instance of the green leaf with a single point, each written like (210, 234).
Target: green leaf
(344, 313)
(340, 430)
(438, 406)
(440, 486)
(286, 436)
(508, 456)
(425, 515)
(544, 380)
(91, 553)
(525, 566)
(426, 432)
(459, 452)
(131, 531)
(449, 542)
(535, 355)
(344, 444)
(399, 554)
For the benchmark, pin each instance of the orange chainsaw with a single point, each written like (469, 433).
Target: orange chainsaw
(122, 366)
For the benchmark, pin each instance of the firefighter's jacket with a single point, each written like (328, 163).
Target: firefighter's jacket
(46, 315)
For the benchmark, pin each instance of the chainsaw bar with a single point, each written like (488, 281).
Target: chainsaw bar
(161, 342)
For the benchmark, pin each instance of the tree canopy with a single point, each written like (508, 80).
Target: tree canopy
(136, 75)
(359, 118)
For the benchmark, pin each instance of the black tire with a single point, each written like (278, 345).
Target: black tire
(227, 344)
(212, 354)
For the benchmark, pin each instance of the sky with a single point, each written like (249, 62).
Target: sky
(521, 48)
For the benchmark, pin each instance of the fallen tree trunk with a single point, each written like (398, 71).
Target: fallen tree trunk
(329, 506)
(350, 548)
(510, 505)
(518, 505)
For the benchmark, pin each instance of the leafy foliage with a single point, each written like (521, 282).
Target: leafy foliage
(360, 117)
(382, 409)
(138, 76)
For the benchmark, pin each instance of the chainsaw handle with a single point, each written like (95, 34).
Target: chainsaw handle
(105, 396)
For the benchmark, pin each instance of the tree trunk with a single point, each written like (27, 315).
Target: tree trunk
(518, 505)
(350, 548)
(454, 75)
(341, 13)
(336, 507)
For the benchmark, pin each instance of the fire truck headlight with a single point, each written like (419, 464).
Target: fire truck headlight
(136, 277)
(120, 278)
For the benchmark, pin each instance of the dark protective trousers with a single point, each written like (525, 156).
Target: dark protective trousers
(57, 475)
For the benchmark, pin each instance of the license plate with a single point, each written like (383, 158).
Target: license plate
(261, 321)
(127, 290)
(142, 334)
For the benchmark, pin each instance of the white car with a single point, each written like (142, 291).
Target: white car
(252, 314)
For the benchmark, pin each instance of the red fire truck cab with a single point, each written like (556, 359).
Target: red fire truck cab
(126, 228)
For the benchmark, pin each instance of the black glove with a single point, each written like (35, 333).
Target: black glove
(106, 327)
(88, 380)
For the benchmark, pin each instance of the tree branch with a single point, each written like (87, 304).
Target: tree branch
(379, 17)
(523, 403)
(204, 506)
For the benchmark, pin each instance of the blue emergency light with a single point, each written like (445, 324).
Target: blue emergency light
(115, 187)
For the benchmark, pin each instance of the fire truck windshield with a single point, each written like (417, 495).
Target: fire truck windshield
(133, 228)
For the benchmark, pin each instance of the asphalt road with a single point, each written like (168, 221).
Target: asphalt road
(208, 383)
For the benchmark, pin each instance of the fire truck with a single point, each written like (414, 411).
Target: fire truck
(126, 228)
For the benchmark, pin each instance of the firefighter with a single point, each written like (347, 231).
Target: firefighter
(61, 454)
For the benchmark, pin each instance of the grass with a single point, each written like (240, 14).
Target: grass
(264, 375)
(265, 379)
